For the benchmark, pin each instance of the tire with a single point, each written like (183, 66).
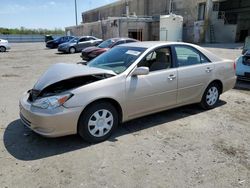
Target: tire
(2, 49)
(94, 126)
(211, 96)
(72, 50)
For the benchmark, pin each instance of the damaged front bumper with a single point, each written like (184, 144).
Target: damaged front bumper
(49, 123)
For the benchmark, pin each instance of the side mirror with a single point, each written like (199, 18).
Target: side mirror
(140, 71)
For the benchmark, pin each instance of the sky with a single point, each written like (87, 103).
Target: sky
(47, 14)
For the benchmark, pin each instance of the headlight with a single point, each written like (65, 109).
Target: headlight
(52, 102)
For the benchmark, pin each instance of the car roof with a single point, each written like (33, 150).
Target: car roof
(121, 38)
(149, 44)
(155, 44)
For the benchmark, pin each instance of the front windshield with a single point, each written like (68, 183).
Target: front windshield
(106, 43)
(117, 59)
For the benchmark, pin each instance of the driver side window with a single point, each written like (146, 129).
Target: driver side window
(82, 40)
(158, 59)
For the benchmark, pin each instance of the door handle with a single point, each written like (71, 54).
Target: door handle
(209, 69)
(171, 77)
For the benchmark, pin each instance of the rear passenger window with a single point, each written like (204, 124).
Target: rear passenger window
(83, 40)
(187, 56)
(119, 42)
(129, 41)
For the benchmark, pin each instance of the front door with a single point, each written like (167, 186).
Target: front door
(83, 43)
(155, 91)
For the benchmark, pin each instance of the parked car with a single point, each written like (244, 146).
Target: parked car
(48, 38)
(92, 52)
(246, 46)
(54, 43)
(128, 81)
(4, 45)
(78, 44)
(243, 66)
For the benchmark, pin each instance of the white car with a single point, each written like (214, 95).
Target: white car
(4, 45)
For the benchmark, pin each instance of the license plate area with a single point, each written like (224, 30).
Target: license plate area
(247, 74)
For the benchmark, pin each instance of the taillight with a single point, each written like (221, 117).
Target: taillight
(234, 65)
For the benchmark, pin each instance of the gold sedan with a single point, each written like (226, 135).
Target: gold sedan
(128, 81)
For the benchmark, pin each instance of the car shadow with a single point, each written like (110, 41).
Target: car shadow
(61, 53)
(24, 144)
(64, 53)
(242, 85)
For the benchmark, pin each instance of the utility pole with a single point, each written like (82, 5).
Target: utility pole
(207, 21)
(76, 12)
(170, 7)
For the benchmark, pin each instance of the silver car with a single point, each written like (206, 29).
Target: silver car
(127, 82)
(78, 44)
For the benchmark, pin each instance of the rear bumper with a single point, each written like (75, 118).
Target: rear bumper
(49, 123)
(8, 47)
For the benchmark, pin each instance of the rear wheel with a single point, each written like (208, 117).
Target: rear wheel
(97, 122)
(2, 49)
(211, 96)
(72, 50)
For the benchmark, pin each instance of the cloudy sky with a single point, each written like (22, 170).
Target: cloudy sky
(44, 13)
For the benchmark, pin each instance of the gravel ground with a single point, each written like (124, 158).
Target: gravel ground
(183, 147)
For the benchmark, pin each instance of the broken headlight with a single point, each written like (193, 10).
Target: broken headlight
(52, 102)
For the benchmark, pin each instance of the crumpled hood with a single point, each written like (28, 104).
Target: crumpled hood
(63, 71)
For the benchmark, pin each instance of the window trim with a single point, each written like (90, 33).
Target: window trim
(190, 47)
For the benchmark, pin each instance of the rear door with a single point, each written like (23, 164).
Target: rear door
(194, 72)
(83, 43)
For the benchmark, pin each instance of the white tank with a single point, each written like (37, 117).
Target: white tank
(171, 27)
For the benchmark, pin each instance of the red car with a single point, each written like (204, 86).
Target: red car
(92, 52)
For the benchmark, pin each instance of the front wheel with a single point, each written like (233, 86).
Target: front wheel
(97, 122)
(72, 50)
(2, 49)
(211, 96)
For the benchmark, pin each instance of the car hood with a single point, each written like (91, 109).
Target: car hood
(63, 71)
(4, 41)
(91, 49)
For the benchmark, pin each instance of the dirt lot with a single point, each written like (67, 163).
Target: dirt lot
(184, 147)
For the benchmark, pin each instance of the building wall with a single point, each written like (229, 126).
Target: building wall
(186, 8)
(118, 9)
